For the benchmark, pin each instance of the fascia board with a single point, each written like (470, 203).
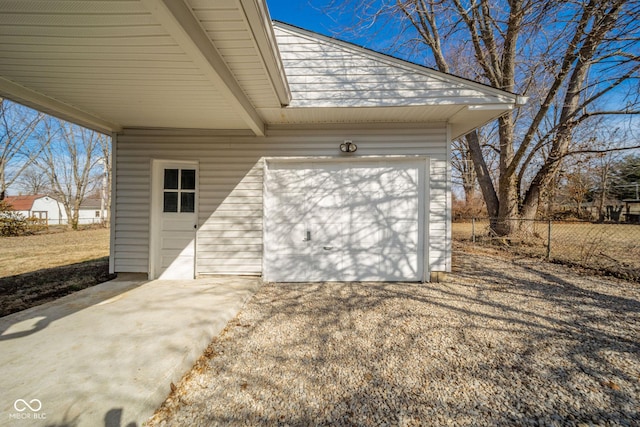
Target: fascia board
(464, 125)
(259, 21)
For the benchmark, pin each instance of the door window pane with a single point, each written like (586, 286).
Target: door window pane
(171, 179)
(170, 201)
(187, 202)
(188, 181)
(179, 190)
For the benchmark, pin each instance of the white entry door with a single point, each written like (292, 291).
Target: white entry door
(174, 220)
(344, 221)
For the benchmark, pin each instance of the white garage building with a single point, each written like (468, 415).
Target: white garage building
(246, 147)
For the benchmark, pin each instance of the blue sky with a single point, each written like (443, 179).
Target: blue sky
(308, 14)
(302, 14)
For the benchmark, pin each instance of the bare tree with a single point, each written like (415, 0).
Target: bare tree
(578, 186)
(604, 164)
(577, 60)
(69, 159)
(463, 171)
(34, 181)
(18, 126)
(105, 177)
(462, 163)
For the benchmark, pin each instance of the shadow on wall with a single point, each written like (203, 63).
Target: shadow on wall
(328, 221)
(229, 215)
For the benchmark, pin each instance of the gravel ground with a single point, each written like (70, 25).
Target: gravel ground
(500, 342)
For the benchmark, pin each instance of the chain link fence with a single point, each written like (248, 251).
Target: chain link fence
(612, 249)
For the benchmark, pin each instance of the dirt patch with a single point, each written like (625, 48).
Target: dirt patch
(27, 290)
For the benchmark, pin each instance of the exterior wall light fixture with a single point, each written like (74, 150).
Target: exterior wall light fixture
(348, 147)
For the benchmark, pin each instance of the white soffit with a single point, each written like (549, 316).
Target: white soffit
(243, 35)
(149, 63)
(205, 64)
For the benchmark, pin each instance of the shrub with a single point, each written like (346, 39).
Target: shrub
(12, 223)
(36, 225)
(462, 210)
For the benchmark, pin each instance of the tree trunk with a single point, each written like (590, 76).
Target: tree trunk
(69, 212)
(468, 178)
(552, 71)
(508, 193)
(482, 174)
(76, 213)
(3, 189)
(601, 198)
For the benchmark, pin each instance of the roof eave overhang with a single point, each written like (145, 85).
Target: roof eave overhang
(464, 118)
(471, 117)
(260, 23)
(178, 19)
(56, 108)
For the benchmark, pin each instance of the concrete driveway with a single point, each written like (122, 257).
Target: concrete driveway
(107, 355)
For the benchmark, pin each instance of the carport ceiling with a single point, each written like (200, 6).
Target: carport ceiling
(142, 63)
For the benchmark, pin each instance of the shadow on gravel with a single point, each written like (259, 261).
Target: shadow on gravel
(498, 343)
(113, 418)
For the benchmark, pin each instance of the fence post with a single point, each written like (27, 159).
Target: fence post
(473, 230)
(549, 242)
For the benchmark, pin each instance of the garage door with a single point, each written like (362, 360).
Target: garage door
(344, 221)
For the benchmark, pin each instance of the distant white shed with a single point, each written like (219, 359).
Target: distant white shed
(39, 206)
(92, 211)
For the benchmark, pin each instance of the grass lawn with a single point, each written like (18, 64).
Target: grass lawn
(40, 268)
(24, 254)
(608, 248)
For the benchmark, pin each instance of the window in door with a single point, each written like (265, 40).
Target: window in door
(179, 190)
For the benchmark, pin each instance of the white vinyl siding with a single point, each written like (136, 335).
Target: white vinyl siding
(334, 82)
(324, 72)
(229, 238)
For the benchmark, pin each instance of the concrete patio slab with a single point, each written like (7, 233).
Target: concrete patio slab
(106, 356)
